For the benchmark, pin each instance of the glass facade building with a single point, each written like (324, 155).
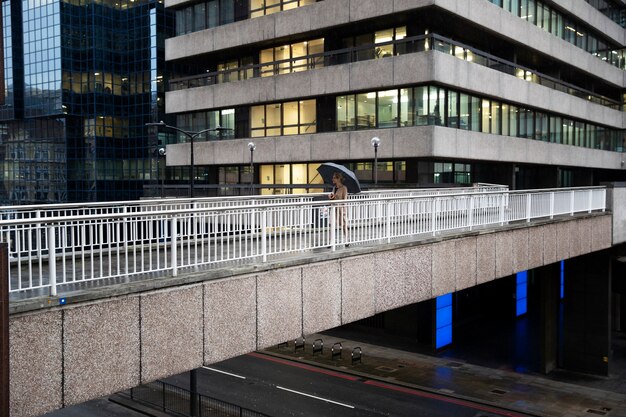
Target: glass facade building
(81, 80)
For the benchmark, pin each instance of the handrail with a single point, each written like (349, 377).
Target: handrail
(58, 251)
(38, 208)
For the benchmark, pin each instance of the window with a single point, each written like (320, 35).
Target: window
(346, 113)
(265, 7)
(366, 111)
(387, 108)
(453, 110)
(289, 174)
(290, 118)
(290, 53)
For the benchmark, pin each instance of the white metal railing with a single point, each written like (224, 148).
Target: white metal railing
(48, 252)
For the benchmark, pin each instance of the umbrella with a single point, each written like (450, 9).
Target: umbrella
(327, 169)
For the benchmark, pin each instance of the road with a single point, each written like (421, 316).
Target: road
(278, 388)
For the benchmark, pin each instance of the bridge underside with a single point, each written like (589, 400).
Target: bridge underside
(66, 355)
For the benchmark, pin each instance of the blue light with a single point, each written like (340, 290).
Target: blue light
(444, 300)
(62, 301)
(443, 321)
(521, 293)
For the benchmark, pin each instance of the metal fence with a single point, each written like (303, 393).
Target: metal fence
(173, 399)
(48, 252)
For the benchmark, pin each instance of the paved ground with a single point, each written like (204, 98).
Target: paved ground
(526, 392)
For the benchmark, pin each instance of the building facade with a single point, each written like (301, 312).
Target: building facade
(526, 93)
(519, 92)
(81, 78)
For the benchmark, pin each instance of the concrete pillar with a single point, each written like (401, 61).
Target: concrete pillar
(586, 313)
(547, 280)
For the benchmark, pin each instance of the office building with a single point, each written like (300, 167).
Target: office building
(519, 92)
(525, 93)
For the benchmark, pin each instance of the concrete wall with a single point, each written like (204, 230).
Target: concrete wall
(66, 355)
(329, 13)
(431, 66)
(407, 142)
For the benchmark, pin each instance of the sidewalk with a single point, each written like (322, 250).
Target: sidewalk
(527, 393)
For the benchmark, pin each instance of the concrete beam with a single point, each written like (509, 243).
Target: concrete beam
(399, 143)
(66, 355)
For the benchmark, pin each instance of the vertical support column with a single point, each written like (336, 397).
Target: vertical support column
(548, 281)
(586, 315)
(388, 223)
(433, 216)
(193, 394)
(470, 214)
(173, 247)
(502, 201)
(332, 217)
(264, 215)
(4, 329)
(52, 261)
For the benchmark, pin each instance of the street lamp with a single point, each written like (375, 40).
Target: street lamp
(375, 143)
(252, 147)
(161, 153)
(191, 136)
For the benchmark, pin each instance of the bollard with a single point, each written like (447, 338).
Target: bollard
(356, 355)
(299, 344)
(318, 346)
(335, 351)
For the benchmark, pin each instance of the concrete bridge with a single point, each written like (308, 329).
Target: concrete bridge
(118, 336)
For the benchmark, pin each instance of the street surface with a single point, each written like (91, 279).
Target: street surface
(278, 388)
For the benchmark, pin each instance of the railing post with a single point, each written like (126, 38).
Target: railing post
(433, 216)
(603, 199)
(571, 203)
(333, 224)
(388, 223)
(252, 230)
(552, 205)
(52, 261)
(173, 247)
(124, 211)
(502, 198)
(528, 206)
(264, 234)
(590, 201)
(38, 236)
(470, 214)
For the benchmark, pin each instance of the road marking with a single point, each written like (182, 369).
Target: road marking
(317, 398)
(224, 372)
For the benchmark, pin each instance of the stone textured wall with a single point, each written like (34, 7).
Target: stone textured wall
(66, 355)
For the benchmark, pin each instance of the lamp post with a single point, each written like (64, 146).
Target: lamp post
(375, 143)
(252, 147)
(191, 136)
(161, 153)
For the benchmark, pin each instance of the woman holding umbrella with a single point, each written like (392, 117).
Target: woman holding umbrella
(340, 192)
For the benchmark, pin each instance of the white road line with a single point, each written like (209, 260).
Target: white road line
(313, 396)
(224, 372)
